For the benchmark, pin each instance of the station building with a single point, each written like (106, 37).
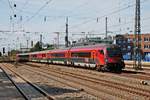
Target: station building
(127, 44)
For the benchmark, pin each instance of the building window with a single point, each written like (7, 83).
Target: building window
(146, 47)
(119, 41)
(129, 40)
(146, 39)
(129, 47)
(124, 48)
(124, 41)
(129, 53)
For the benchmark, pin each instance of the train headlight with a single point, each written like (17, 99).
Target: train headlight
(106, 60)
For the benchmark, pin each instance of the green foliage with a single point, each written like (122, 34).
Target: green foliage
(13, 52)
(49, 47)
(37, 47)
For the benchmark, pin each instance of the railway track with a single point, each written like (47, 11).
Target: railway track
(74, 84)
(28, 90)
(141, 76)
(144, 67)
(110, 84)
(125, 73)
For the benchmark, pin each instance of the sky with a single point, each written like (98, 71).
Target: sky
(47, 17)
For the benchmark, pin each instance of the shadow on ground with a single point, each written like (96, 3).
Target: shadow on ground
(58, 90)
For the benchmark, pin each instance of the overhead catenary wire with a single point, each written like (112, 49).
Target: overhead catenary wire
(79, 6)
(129, 22)
(125, 23)
(63, 15)
(115, 25)
(100, 17)
(10, 6)
(24, 5)
(69, 12)
(114, 12)
(58, 16)
(36, 13)
(89, 17)
(83, 17)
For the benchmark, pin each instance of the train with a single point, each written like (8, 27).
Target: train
(101, 57)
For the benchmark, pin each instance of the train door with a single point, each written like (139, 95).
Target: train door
(30, 57)
(93, 54)
(101, 57)
(68, 57)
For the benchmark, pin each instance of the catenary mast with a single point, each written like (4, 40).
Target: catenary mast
(137, 38)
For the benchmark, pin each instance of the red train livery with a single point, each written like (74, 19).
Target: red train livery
(101, 57)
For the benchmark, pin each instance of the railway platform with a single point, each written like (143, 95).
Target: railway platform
(7, 90)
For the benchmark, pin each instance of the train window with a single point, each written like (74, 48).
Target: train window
(23, 55)
(43, 55)
(34, 56)
(114, 52)
(49, 55)
(58, 54)
(81, 54)
(101, 52)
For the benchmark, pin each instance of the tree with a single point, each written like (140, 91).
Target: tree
(37, 47)
(50, 47)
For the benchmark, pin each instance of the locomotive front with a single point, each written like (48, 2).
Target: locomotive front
(114, 59)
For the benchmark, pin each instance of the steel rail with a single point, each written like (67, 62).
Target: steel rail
(30, 83)
(104, 82)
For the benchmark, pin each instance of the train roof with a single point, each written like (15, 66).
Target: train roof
(97, 46)
(22, 53)
(45, 51)
(33, 52)
(94, 46)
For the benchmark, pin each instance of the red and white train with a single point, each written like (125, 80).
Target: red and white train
(101, 57)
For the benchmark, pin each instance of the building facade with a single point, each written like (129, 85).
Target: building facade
(127, 44)
(92, 41)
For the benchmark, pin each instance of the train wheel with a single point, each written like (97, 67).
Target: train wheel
(97, 68)
(72, 63)
(65, 63)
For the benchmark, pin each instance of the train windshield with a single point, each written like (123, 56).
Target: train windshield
(114, 51)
